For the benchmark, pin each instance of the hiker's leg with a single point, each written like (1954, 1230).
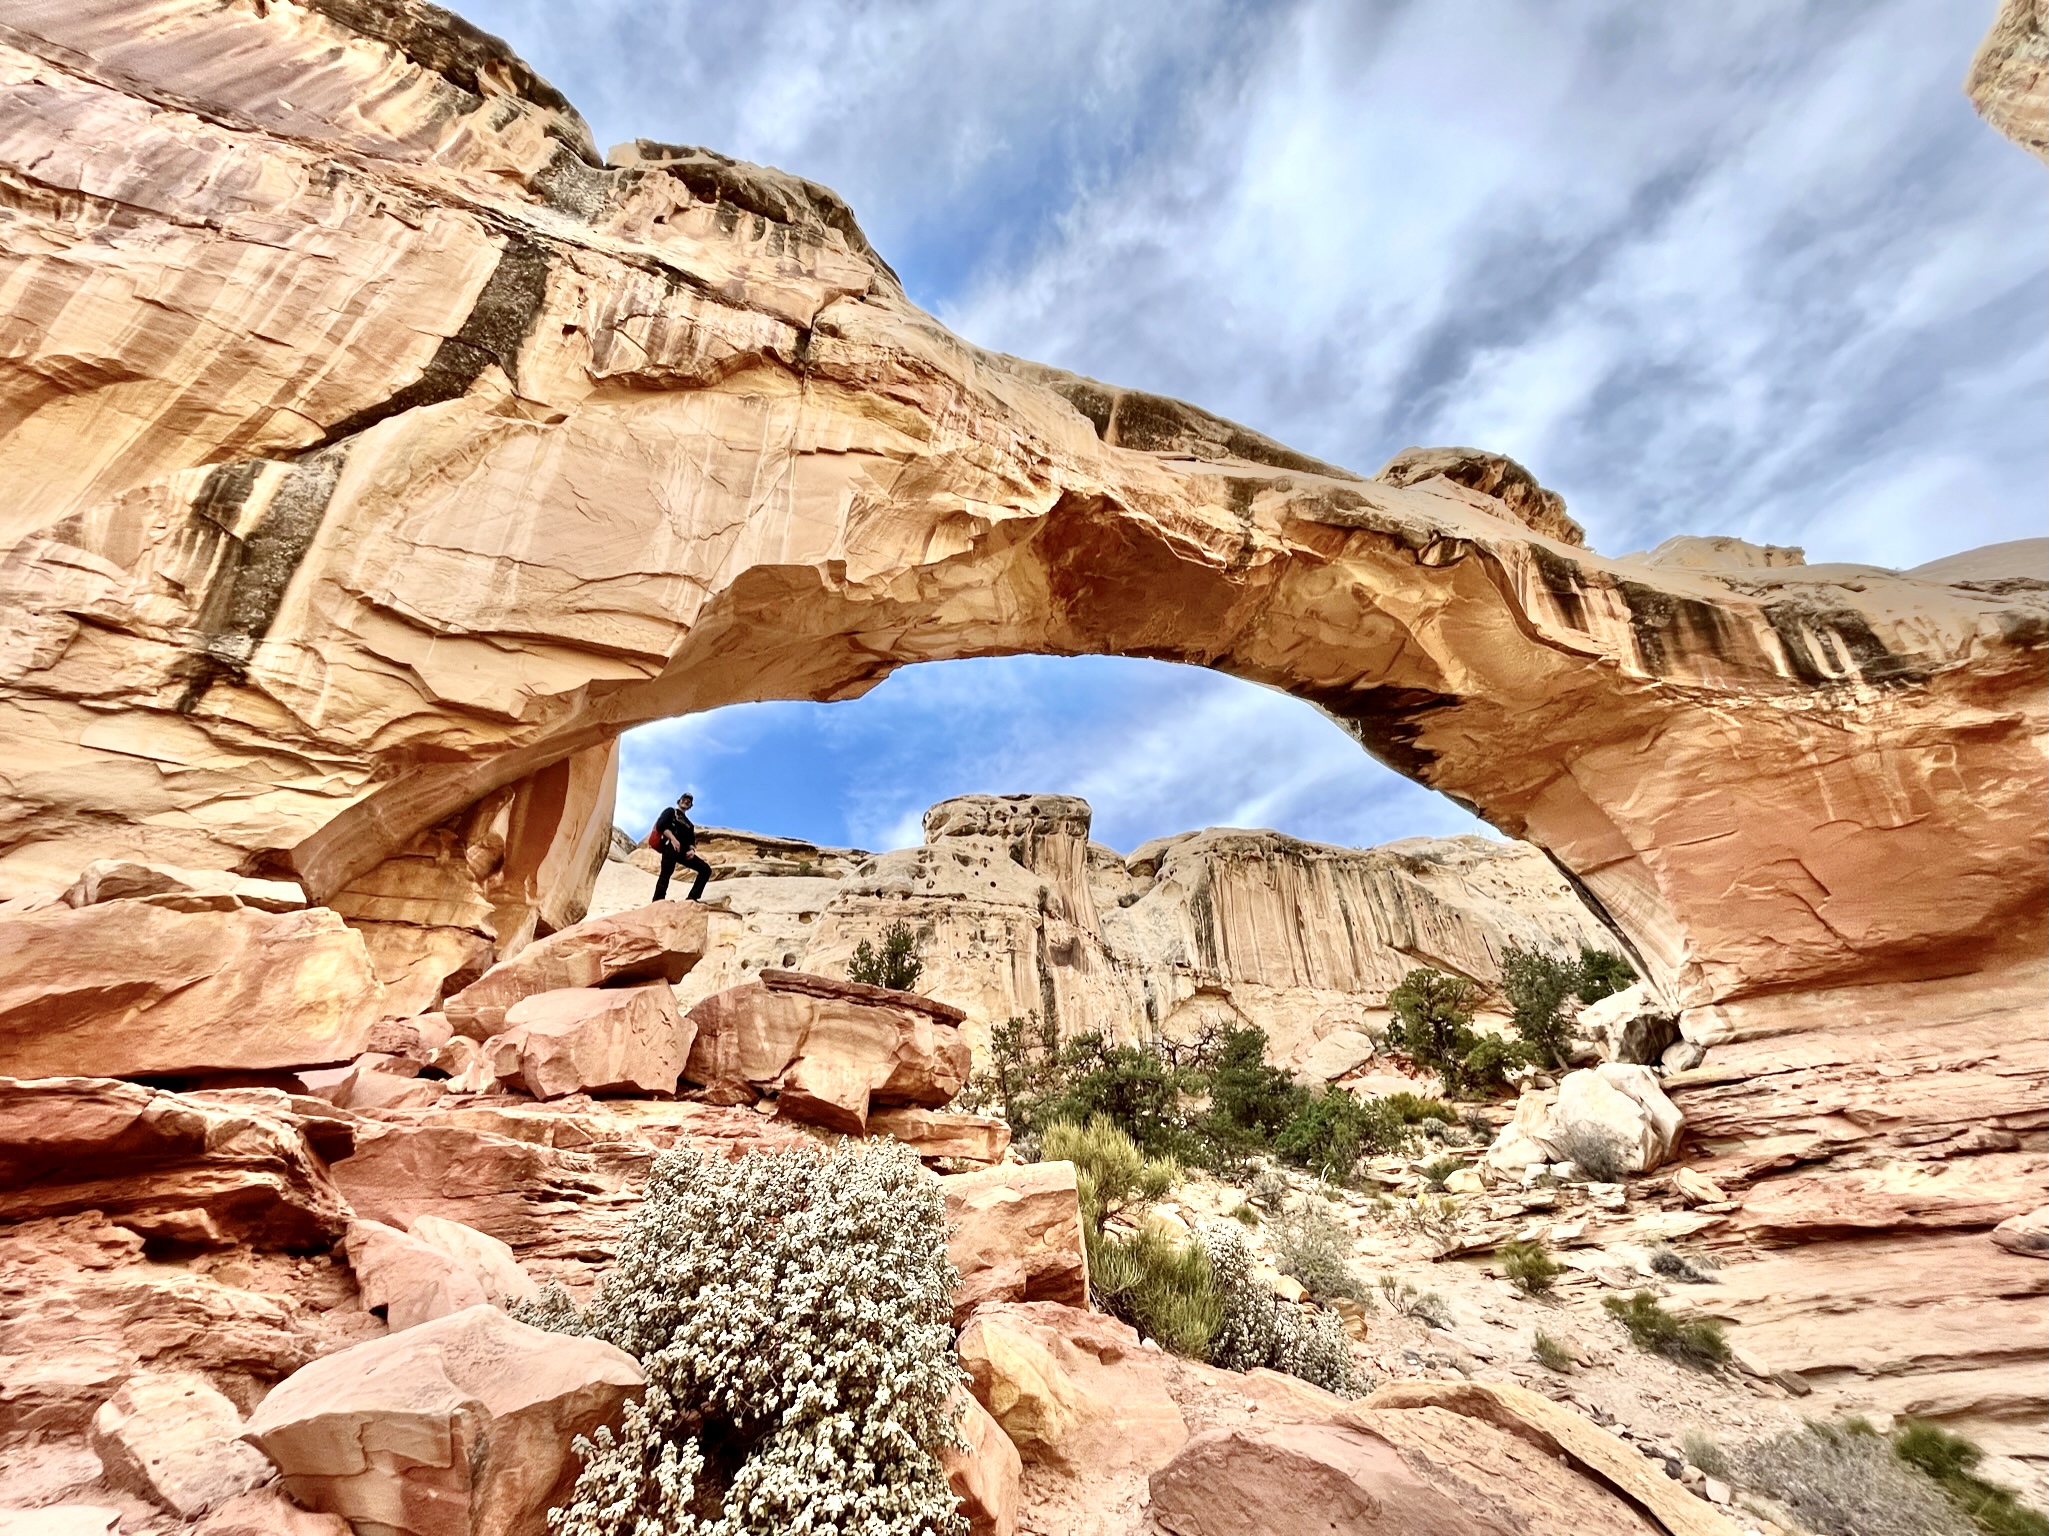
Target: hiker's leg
(703, 874)
(668, 869)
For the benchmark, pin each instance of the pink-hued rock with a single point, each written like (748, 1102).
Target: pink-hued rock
(593, 1040)
(1417, 1472)
(976, 1138)
(830, 1050)
(127, 988)
(438, 1268)
(63, 1520)
(660, 942)
(176, 1442)
(2025, 1235)
(1073, 1390)
(987, 1475)
(179, 890)
(484, 1256)
(266, 1512)
(459, 1427)
(1015, 1235)
(233, 1166)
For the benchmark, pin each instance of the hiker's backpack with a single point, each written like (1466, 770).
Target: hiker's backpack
(653, 838)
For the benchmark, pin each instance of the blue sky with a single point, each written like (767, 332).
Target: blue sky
(1752, 268)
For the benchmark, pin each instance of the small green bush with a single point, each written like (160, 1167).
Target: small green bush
(1551, 1354)
(1316, 1249)
(793, 1313)
(1592, 1151)
(1437, 1170)
(1948, 1459)
(1331, 1132)
(1530, 1267)
(1602, 973)
(1844, 1480)
(1536, 986)
(1705, 1452)
(1674, 1265)
(1249, 1100)
(1433, 1018)
(1158, 1283)
(896, 967)
(1110, 1172)
(1243, 1211)
(1696, 1341)
(1404, 1300)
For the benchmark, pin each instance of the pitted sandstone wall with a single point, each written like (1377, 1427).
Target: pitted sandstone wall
(376, 450)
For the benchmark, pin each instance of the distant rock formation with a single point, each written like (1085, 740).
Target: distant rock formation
(2009, 79)
(1023, 917)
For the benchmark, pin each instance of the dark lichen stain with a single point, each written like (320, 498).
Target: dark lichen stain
(494, 331)
(1157, 424)
(1562, 580)
(1794, 622)
(1669, 628)
(1096, 404)
(250, 575)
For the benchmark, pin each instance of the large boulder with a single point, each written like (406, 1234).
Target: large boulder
(176, 1442)
(204, 1169)
(1074, 1391)
(1614, 1114)
(1419, 1472)
(1633, 1025)
(459, 1427)
(1014, 1234)
(660, 942)
(622, 1039)
(126, 988)
(828, 1049)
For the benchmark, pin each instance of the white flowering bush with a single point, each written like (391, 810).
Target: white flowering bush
(793, 1314)
(1259, 1328)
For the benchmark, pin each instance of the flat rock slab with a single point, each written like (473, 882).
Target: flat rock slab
(459, 1427)
(236, 1167)
(126, 988)
(176, 1441)
(660, 942)
(932, 1133)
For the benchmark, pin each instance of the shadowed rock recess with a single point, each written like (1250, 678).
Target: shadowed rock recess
(377, 453)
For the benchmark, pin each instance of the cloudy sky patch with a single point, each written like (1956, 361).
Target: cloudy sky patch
(1751, 268)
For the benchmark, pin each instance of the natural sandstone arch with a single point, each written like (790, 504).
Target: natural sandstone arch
(378, 455)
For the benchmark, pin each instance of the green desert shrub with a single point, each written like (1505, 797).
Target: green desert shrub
(1950, 1459)
(1674, 1265)
(1110, 1172)
(896, 966)
(1551, 1354)
(1593, 1151)
(1437, 1170)
(1330, 1133)
(1530, 1267)
(1535, 986)
(1160, 1283)
(1316, 1249)
(793, 1314)
(1844, 1480)
(1249, 1100)
(1602, 973)
(1697, 1341)
(1404, 1300)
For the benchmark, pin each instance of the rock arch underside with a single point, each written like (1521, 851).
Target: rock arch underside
(377, 452)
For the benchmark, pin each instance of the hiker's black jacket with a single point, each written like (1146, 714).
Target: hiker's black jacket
(676, 824)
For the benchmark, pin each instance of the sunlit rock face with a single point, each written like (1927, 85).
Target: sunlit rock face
(1020, 916)
(377, 452)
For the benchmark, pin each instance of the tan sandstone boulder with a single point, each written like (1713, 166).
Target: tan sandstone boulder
(126, 988)
(972, 1138)
(1074, 1390)
(1415, 1472)
(660, 942)
(1014, 1233)
(439, 1268)
(266, 1512)
(1616, 1111)
(176, 1442)
(986, 1474)
(626, 1039)
(62, 1520)
(179, 890)
(2026, 1235)
(212, 1169)
(459, 1427)
(828, 1049)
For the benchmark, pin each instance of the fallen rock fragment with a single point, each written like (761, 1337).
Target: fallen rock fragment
(987, 1474)
(593, 1040)
(973, 1138)
(2026, 1235)
(266, 1512)
(1073, 1390)
(124, 989)
(179, 890)
(175, 1441)
(61, 1520)
(1014, 1233)
(409, 1281)
(660, 942)
(459, 1427)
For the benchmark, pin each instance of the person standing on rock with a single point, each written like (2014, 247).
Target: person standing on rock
(675, 839)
